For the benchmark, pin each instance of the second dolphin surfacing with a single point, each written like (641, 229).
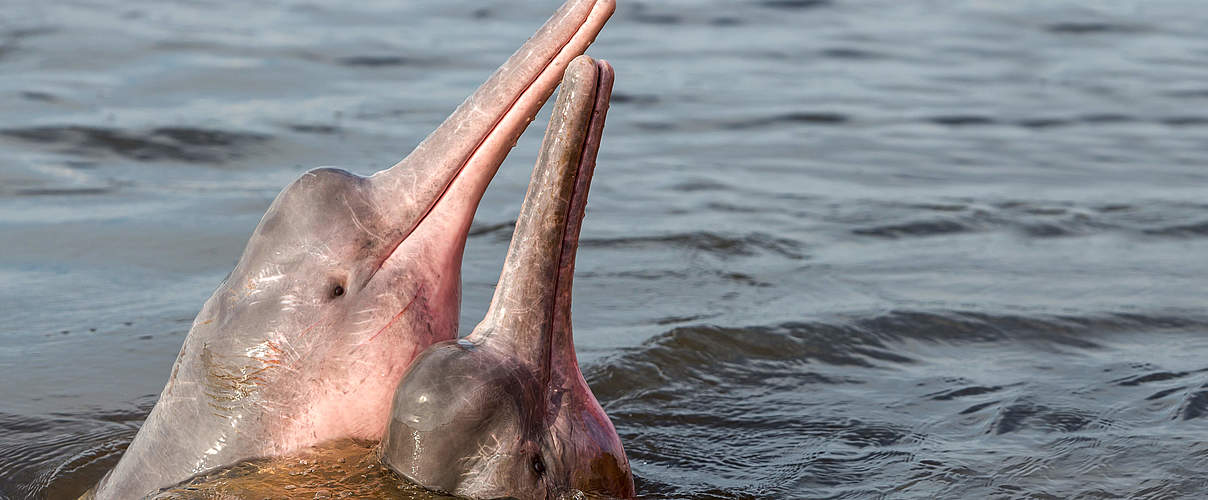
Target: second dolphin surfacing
(505, 412)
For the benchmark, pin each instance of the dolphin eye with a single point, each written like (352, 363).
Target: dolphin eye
(538, 465)
(337, 291)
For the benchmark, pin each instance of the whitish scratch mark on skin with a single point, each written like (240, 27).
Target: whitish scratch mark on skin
(320, 253)
(359, 333)
(357, 221)
(480, 465)
(288, 351)
(290, 302)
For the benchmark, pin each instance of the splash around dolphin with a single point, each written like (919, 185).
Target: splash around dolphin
(344, 281)
(505, 412)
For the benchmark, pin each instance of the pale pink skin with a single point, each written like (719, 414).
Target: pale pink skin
(277, 359)
(505, 412)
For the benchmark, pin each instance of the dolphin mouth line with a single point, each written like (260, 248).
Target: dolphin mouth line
(583, 173)
(576, 209)
(583, 23)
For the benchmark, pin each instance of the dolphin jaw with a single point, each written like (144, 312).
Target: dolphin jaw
(530, 312)
(473, 170)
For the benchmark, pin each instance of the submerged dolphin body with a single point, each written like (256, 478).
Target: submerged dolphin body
(344, 281)
(505, 412)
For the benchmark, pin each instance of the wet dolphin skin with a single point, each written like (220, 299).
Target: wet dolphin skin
(505, 412)
(343, 283)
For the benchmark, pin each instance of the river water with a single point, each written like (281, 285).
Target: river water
(834, 249)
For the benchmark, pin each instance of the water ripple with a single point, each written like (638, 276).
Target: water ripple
(186, 144)
(728, 391)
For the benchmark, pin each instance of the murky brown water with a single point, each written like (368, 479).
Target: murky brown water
(835, 249)
(345, 469)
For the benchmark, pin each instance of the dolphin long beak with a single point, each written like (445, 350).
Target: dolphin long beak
(530, 311)
(448, 172)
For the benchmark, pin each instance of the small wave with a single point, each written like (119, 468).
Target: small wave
(801, 117)
(671, 320)
(1160, 376)
(375, 61)
(1050, 122)
(976, 390)
(1026, 414)
(10, 39)
(1091, 27)
(851, 404)
(916, 228)
(31, 95)
(698, 185)
(1032, 219)
(1106, 118)
(1194, 405)
(1188, 93)
(65, 191)
(1185, 121)
(1182, 230)
(713, 243)
(795, 4)
(1039, 123)
(1165, 392)
(308, 128)
(696, 351)
(640, 99)
(502, 230)
(61, 456)
(643, 14)
(726, 21)
(165, 143)
(850, 53)
(962, 120)
(650, 18)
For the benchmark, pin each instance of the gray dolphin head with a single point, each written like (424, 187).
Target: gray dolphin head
(506, 412)
(344, 281)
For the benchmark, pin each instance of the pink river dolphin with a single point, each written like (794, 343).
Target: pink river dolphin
(505, 412)
(343, 283)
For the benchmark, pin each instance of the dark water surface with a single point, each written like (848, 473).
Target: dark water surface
(843, 249)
